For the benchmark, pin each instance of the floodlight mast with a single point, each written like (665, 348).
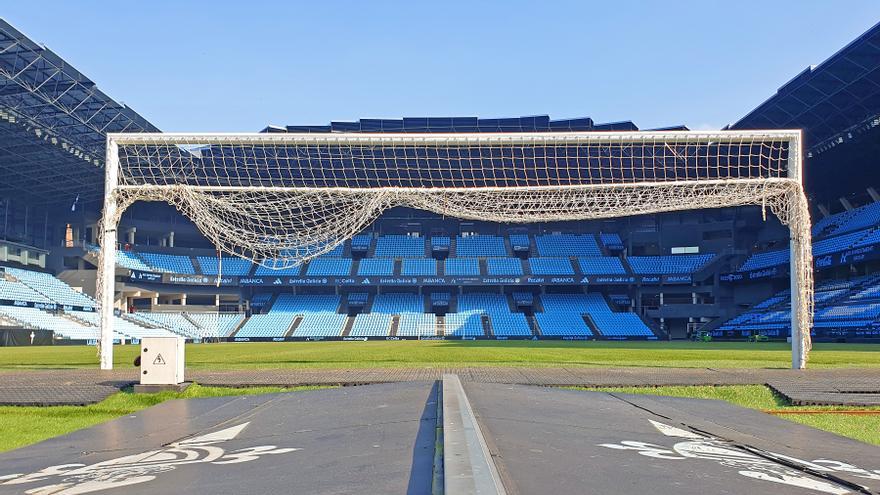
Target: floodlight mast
(157, 168)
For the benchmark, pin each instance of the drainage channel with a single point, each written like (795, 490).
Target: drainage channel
(467, 465)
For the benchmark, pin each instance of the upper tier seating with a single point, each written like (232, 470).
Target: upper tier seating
(272, 267)
(520, 242)
(361, 242)
(566, 245)
(765, 259)
(672, 264)
(440, 242)
(232, 266)
(419, 267)
(550, 266)
(169, 263)
(462, 266)
(129, 260)
(601, 265)
(611, 240)
(54, 289)
(855, 219)
(400, 246)
(480, 246)
(376, 266)
(329, 267)
(511, 267)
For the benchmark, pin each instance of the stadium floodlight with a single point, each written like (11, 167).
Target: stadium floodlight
(282, 199)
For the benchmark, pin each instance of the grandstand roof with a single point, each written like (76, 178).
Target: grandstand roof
(535, 123)
(53, 123)
(832, 102)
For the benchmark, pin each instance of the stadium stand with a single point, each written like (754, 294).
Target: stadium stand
(564, 245)
(231, 265)
(672, 264)
(419, 267)
(377, 266)
(601, 265)
(168, 263)
(504, 266)
(400, 246)
(462, 266)
(329, 267)
(480, 246)
(550, 266)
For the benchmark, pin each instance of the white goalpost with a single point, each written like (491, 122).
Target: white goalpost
(282, 199)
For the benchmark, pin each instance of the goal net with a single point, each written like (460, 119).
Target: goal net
(282, 199)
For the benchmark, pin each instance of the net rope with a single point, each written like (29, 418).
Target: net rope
(280, 200)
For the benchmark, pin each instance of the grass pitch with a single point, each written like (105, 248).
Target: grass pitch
(414, 353)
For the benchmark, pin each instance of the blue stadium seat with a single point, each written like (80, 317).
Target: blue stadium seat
(329, 267)
(672, 264)
(462, 266)
(169, 263)
(400, 246)
(480, 246)
(231, 265)
(511, 267)
(550, 266)
(376, 266)
(567, 245)
(601, 265)
(419, 267)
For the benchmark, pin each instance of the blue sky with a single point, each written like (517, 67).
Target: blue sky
(238, 66)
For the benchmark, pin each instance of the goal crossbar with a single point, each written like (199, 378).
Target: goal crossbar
(281, 199)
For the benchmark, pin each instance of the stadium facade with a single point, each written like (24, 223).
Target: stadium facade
(414, 274)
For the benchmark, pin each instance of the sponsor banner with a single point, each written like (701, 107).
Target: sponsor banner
(44, 306)
(139, 276)
(762, 274)
(678, 279)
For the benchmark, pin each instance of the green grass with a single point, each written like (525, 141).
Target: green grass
(20, 426)
(865, 428)
(391, 354)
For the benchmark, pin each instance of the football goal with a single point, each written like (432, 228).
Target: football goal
(281, 199)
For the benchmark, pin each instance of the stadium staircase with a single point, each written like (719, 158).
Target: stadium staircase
(487, 325)
(346, 328)
(398, 267)
(440, 326)
(355, 266)
(591, 324)
(293, 325)
(395, 325)
(484, 269)
(238, 327)
(196, 265)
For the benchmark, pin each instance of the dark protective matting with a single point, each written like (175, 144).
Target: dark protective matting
(574, 442)
(376, 439)
(850, 391)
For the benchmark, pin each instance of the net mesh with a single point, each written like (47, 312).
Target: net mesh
(281, 199)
